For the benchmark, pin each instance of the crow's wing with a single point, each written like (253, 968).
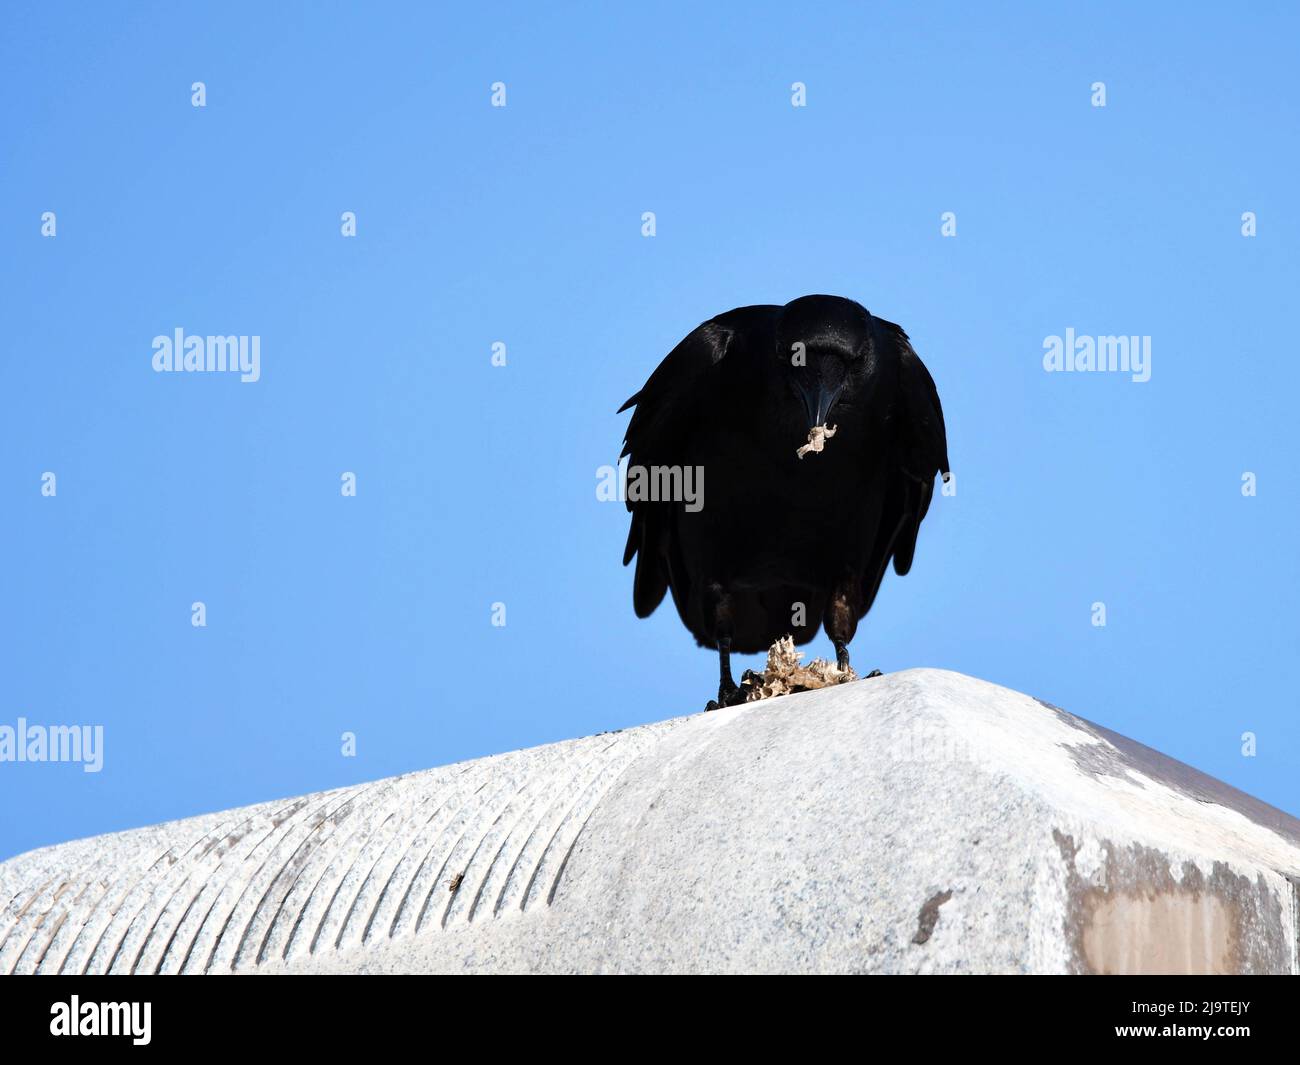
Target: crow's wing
(920, 446)
(672, 402)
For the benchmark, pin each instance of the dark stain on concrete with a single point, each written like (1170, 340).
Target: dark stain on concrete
(1096, 760)
(929, 917)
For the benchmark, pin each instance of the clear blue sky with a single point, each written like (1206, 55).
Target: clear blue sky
(477, 484)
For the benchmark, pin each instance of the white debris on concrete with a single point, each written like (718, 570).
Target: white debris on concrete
(918, 822)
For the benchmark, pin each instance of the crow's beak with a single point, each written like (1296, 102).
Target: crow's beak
(817, 403)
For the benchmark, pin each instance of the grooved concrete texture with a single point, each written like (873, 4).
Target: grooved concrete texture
(918, 822)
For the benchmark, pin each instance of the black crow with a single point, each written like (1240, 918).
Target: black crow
(815, 433)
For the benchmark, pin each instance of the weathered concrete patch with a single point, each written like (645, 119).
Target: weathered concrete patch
(1141, 912)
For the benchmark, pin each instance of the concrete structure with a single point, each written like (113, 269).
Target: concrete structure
(918, 822)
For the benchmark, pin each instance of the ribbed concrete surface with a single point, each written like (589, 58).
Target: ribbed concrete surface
(316, 874)
(919, 822)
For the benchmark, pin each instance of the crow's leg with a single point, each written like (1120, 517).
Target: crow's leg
(841, 619)
(726, 686)
(719, 610)
(841, 655)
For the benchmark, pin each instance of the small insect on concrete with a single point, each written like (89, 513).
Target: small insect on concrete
(456, 882)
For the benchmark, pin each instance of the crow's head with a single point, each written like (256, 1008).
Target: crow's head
(823, 346)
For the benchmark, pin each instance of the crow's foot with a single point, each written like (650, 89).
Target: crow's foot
(874, 673)
(728, 695)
